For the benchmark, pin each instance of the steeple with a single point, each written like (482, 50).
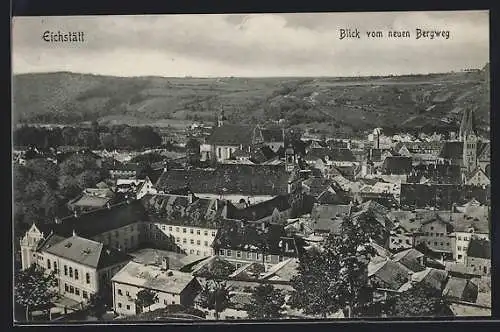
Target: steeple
(467, 126)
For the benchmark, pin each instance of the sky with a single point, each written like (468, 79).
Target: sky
(255, 45)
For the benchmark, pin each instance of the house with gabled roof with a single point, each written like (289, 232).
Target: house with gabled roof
(478, 259)
(477, 177)
(82, 267)
(272, 137)
(460, 289)
(226, 139)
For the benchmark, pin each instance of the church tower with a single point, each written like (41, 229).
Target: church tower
(469, 138)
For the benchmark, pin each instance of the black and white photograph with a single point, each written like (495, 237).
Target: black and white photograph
(238, 167)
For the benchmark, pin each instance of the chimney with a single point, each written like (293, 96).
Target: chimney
(75, 213)
(190, 197)
(263, 226)
(286, 246)
(165, 264)
(74, 233)
(108, 206)
(165, 168)
(57, 220)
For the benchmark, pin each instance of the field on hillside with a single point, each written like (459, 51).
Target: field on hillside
(333, 105)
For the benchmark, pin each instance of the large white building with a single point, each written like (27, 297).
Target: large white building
(170, 287)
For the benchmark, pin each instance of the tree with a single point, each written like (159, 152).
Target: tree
(335, 277)
(193, 153)
(215, 295)
(97, 306)
(88, 178)
(419, 301)
(34, 289)
(266, 303)
(42, 169)
(145, 298)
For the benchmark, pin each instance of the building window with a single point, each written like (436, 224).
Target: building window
(77, 291)
(71, 289)
(429, 242)
(238, 254)
(432, 228)
(238, 265)
(71, 272)
(184, 240)
(198, 232)
(119, 305)
(198, 242)
(268, 258)
(184, 230)
(435, 243)
(192, 241)
(258, 256)
(459, 248)
(48, 264)
(228, 253)
(85, 295)
(128, 306)
(120, 292)
(65, 270)
(127, 293)
(459, 238)
(76, 274)
(66, 288)
(197, 253)
(178, 239)
(173, 302)
(222, 252)
(191, 231)
(459, 256)
(169, 228)
(177, 229)
(213, 233)
(219, 152)
(191, 251)
(205, 233)
(206, 243)
(249, 255)
(55, 266)
(162, 227)
(442, 244)
(87, 277)
(466, 238)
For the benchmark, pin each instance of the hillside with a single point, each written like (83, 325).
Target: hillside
(331, 104)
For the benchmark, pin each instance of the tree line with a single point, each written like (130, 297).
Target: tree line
(95, 137)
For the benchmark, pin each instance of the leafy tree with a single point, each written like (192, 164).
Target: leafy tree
(97, 306)
(145, 298)
(88, 178)
(39, 201)
(335, 278)
(218, 270)
(215, 295)
(193, 153)
(419, 301)
(77, 164)
(267, 303)
(42, 169)
(34, 289)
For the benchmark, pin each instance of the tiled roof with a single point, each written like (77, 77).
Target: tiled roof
(260, 210)
(483, 151)
(434, 278)
(178, 210)
(317, 185)
(238, 235)
(437, 173)
(409, 258)
(272, 135)
(397, 165)
(461, 289)
(329, 217)
(228, 179)
(87, 252)
(452, 150)
(341, 155)
(230, 135)
(153, 277)
(479, 248)
(49, 241)
(92, 201)
(98, 221)
(391, 273)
